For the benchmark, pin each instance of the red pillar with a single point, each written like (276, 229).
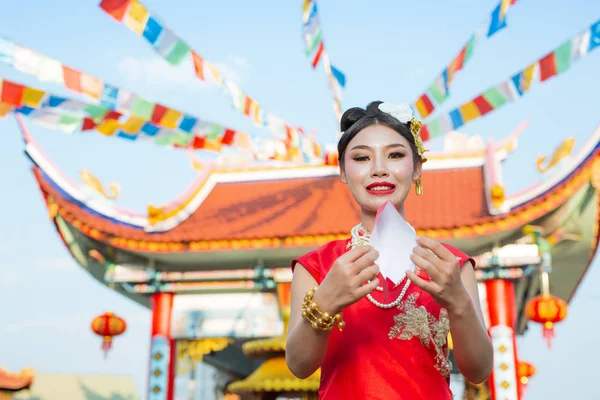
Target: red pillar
(502, 310)
(162, 351)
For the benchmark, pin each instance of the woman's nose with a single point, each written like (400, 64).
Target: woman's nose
(379, 169)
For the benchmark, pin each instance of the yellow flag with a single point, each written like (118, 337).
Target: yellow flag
(137, 17)
(214, 72)
(32, 97)
(108, 127)
(529, 75)
(171, 119)
(469, 111)
(133, 125)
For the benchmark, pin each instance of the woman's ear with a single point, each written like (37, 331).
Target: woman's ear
(343, 175)
(418, 170)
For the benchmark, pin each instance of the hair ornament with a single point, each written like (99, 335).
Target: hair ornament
(403, 113)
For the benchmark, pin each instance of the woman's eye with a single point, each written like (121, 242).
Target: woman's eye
(360, 158)
(397, 155)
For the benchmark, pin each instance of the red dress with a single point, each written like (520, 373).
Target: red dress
(385, 354)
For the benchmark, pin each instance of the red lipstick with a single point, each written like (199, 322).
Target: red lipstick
(381, 188)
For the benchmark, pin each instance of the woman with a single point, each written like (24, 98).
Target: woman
(367, 347)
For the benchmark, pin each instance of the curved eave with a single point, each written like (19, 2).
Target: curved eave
(172, 215)
(575, 162)
(14, 382)
(524, 207)
(79, 242)
(486, 226)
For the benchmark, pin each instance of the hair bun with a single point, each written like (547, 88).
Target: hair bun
(350, 117)
(373, 107)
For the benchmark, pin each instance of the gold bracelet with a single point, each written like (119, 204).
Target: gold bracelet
(318, 319)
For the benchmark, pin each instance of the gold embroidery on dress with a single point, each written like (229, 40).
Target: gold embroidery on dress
(418, 322)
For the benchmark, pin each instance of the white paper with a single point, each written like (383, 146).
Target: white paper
(395, 240)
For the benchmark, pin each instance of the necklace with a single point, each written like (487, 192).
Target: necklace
(360, 237)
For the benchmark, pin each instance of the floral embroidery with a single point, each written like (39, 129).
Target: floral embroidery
(418, 322)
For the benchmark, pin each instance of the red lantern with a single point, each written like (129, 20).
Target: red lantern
(548, 310)
(525, 371)
(108, 325)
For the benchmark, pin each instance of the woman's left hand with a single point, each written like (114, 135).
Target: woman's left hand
(442, 267)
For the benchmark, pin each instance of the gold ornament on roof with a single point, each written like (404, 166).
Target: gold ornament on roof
(94, 183)
(561, 152)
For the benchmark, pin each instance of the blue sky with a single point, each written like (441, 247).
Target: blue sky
(389, 50)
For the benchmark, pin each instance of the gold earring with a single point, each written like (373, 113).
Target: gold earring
(418, 187)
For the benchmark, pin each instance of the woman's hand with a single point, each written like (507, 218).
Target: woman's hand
(442, 267)
(345, 282)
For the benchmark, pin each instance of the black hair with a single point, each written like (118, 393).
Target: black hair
(356, 119)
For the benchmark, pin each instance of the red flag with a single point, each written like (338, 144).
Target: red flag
(318, 55)
(424, 105)
(482, 105)
(424, 133)
(456, 64)
(547, 67)
(198, 142)
(228, 137)
(12, 93)
(88, 124)
(112, 114)
(158, 113)
(115, 8)
(198, 65)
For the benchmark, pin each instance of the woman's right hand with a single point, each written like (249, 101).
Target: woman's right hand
(345, 282)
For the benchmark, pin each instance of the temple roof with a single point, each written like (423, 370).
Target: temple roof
(15, 381)
(303, 206)
(310, 206)
(270, 216)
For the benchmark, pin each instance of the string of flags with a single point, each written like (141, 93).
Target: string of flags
(315, 51)
(137, 18)
(517, 85)
(109, 97)
(117, 112)
(72, 115)
(439, 90)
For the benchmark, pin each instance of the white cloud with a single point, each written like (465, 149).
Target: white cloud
(157, 72)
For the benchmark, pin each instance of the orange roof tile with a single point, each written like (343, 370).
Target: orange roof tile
(299, 207)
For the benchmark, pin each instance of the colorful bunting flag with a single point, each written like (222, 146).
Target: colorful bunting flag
(315, 50)
(110, 97)
(177, 130)
(439, 89)
(115, 8)
(550, 65)
(135, 16)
